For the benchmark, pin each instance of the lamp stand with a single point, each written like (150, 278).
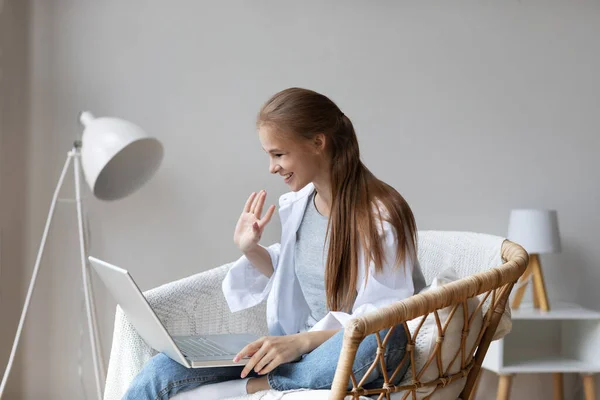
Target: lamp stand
(540, 298)
(75, 156)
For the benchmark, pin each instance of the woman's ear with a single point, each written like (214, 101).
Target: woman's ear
(319, 142)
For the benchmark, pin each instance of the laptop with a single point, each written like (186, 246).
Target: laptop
(200, 351)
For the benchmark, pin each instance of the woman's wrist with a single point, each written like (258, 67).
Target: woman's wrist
(251, 250)
(312, 340)
(305, 342)
(260, 258)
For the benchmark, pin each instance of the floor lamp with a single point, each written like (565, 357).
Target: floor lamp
(117, 157)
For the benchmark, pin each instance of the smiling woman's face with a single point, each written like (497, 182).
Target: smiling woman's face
(297, 161)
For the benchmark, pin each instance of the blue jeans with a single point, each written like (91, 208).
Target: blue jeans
(161, 377)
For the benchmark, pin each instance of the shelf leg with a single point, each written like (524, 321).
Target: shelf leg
(589, 387)
(504, 387)
(557, 379)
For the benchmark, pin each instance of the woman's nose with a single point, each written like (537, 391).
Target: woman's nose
(273, 168)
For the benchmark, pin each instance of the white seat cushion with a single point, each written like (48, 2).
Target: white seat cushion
(426, 343)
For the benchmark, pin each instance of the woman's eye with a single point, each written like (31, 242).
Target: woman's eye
(278, 155)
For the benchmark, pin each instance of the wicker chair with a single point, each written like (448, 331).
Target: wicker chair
(494, 285)
(488, 267)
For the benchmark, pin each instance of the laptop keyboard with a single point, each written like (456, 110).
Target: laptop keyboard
(200, 347)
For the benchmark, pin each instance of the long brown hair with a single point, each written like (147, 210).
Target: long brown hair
(360, 201)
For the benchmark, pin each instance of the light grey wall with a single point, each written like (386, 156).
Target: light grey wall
(14, 84)
(468, 109)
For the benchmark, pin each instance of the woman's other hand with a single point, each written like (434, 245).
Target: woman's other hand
(269, 352)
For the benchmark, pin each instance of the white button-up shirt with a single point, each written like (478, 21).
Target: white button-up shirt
(287, 310)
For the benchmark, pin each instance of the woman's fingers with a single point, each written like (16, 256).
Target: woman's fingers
(249, 349)
(265, 361)
(248, 205)
(261, 202)
(270, 367)
(255, 205)
(255, 202)
(253, 361)
(267, 216)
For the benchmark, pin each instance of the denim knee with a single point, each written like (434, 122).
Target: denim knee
(161, 377)
(148, 382)
(317, 369)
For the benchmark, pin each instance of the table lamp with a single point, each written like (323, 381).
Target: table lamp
(537, 231)
(117, 157)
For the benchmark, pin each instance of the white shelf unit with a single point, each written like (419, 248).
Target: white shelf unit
(564, 339)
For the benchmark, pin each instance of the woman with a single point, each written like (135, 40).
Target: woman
(348, 246)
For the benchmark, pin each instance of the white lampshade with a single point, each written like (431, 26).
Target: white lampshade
(117, 157)
(535, 230)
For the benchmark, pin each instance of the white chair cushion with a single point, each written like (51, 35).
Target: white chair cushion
(426, 342)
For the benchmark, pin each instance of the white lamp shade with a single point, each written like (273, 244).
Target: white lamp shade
(117, 157)
(536, 230)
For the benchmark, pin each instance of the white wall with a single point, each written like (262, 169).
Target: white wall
(14, 31)
(469, 109)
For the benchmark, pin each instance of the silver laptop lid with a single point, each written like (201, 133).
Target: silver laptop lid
(139, 313)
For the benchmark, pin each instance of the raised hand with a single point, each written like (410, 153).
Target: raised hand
(250, 226)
